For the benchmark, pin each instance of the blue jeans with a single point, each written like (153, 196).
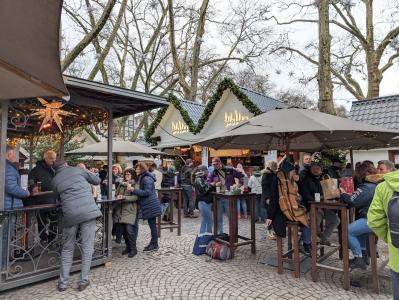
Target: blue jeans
(164, 207)
(395, 285)
(242, 203)
(306, 235)
(260, 208)
(188, 199)
(206, 216)
(357, 236)
(223, 207)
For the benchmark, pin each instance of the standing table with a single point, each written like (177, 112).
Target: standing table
(343, 248)
(233, 220)
(171, 224)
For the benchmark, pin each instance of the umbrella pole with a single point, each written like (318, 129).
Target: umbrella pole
(351, 157)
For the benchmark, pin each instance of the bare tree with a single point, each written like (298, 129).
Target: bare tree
(359, 42)
(89, 37)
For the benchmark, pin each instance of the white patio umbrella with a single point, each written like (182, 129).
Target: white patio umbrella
(30, 47)
(123, 148)
(300, 130)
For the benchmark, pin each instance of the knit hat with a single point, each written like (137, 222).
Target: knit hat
(59, 164)
(316, 159)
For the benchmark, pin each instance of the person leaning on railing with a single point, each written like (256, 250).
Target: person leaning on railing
(79, 210)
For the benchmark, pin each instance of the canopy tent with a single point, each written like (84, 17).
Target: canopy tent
(29, 52)
(300, 130)
(124, 148)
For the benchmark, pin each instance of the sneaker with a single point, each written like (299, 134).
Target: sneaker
(271, 235)
(186, 215)
(193, 216)
(61, 288)
(307, 249)
(357, 263)
(326, 243)
(132, 253)
(151, 247)
(83, 285)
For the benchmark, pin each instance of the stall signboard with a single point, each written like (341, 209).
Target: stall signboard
(179, 127)
(234, 118)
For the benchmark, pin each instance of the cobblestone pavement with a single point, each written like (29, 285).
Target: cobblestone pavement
(174, 273)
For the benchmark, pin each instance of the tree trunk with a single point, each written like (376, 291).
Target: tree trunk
(326, 103)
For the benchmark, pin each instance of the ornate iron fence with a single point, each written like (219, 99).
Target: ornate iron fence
(31, 243)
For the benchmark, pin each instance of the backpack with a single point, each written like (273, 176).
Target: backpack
(218, 250)
(288, 200)
(393, 219)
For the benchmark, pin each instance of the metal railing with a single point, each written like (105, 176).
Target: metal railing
(32, 239)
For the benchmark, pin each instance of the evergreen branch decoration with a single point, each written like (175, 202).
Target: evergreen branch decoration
(151, 129)
(226, 83)
(176, 103)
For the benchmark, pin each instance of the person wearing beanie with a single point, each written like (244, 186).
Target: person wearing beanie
(185, 181)
(73, 187)
(255, 184)
(310, 189)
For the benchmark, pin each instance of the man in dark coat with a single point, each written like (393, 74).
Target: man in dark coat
(185, 181)
(42, 174)
(79, 210)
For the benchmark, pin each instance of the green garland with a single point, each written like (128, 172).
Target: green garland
(226, 83)
(176, 102)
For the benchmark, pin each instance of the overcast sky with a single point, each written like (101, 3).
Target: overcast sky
(283, 74)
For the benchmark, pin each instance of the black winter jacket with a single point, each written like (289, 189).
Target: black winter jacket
(45, 174)
(203, 189)
(268, 178)
(185, 175)
(149, 202)
(279, 221)
(307, 187)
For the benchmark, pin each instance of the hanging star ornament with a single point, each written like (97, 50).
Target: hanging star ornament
(51, 112)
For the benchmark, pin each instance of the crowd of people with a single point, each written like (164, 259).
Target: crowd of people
(136, 191)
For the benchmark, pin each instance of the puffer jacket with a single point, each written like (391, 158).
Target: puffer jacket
(73, 185)
(362, 197)
(149, 203)
(125, 211)
(268, 178)
(377, 215)
(12, 188)
(255, 183)
(45, 174)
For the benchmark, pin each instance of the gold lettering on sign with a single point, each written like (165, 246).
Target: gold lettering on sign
(234, 118)
(179, 127)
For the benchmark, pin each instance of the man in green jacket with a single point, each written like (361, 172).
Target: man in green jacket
(378, 222)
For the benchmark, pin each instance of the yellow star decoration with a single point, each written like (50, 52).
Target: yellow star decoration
(51, 112)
